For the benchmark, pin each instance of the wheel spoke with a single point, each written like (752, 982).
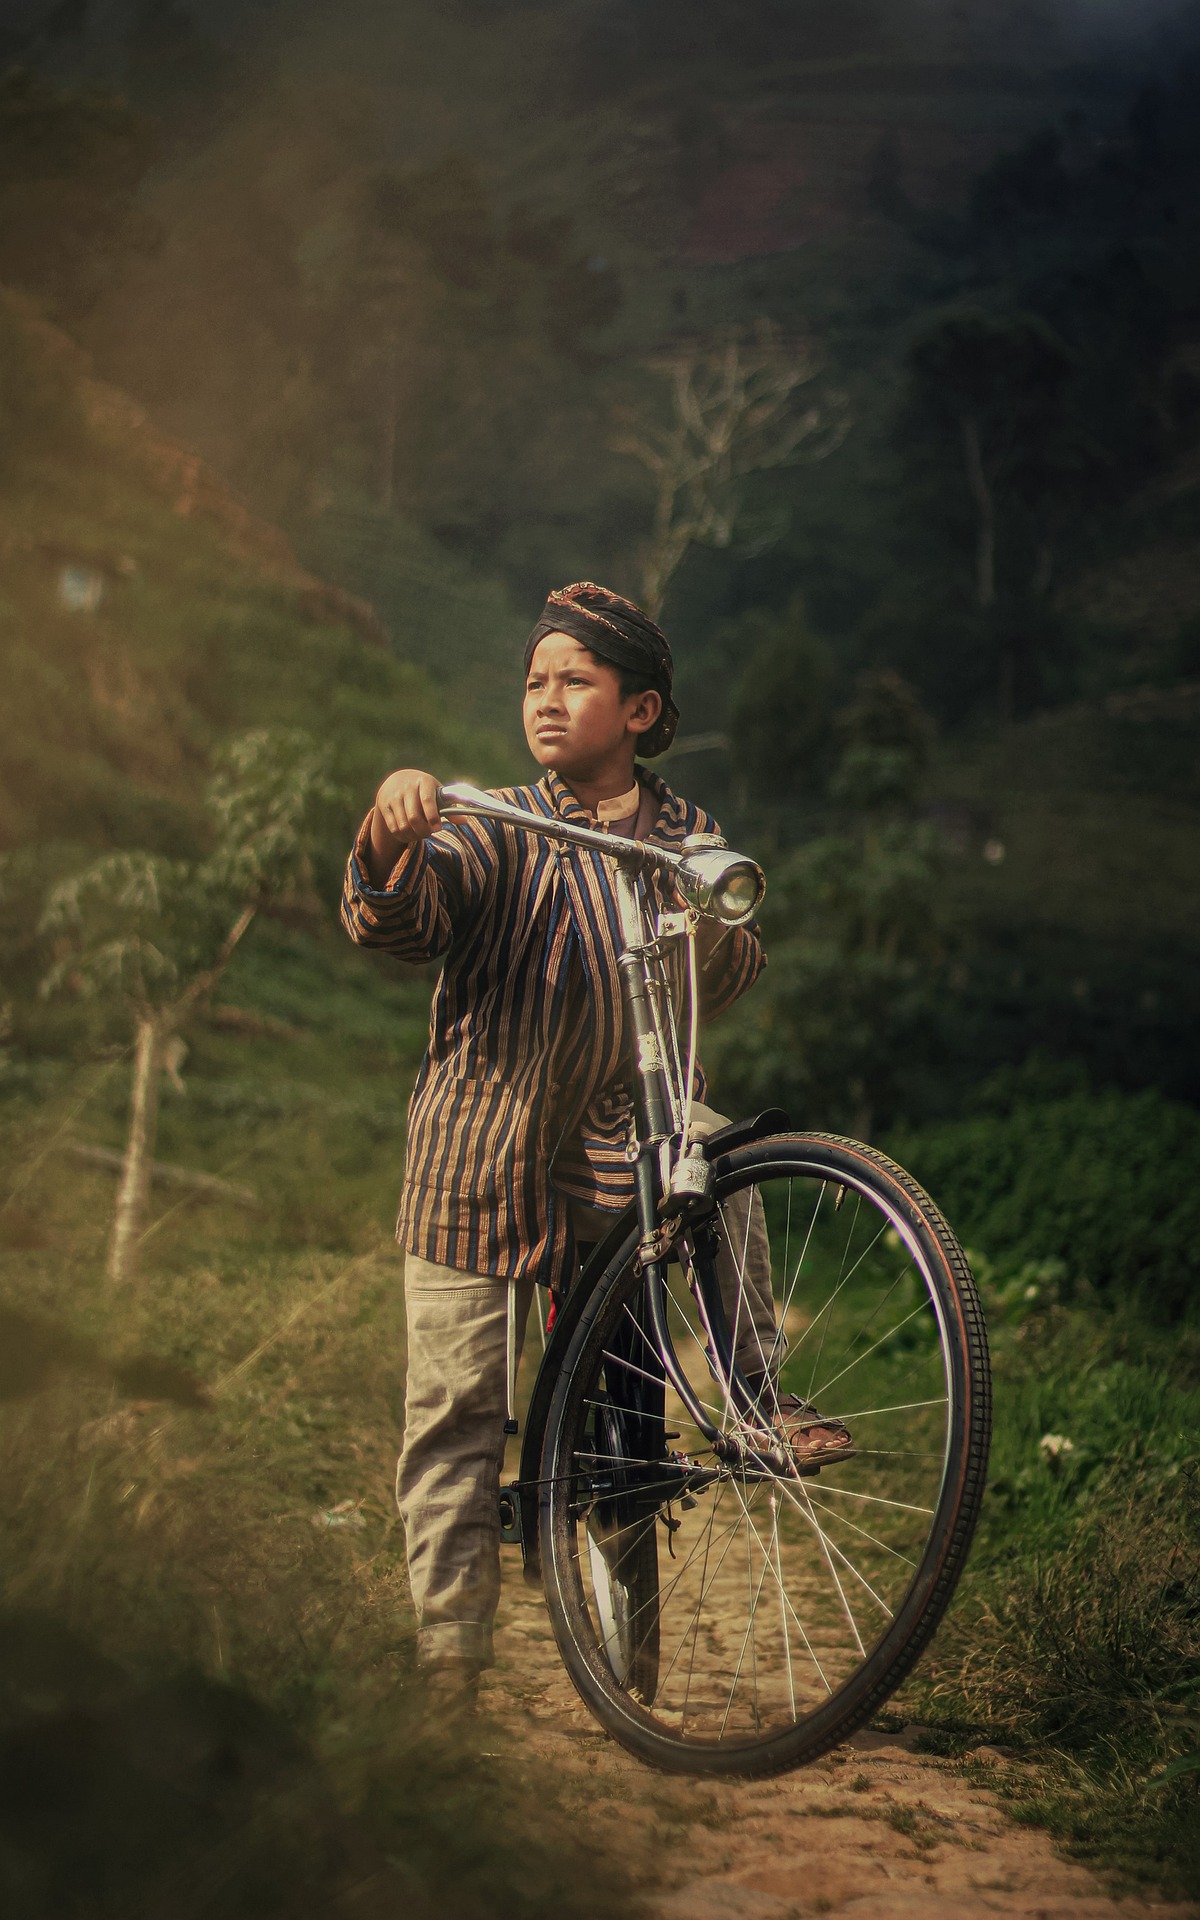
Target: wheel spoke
(877, 1499)
(904, 1406)
(693, 1625)
(728, 1536)
(844, 1280)
(829, 1548)
(785, 1600)
(874, 1539)
(746, 1637)
(858, 1360)
(778, 1569)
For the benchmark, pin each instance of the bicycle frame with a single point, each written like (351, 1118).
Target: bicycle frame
(672, 1176)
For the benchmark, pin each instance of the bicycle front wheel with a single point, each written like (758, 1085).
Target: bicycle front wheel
(722, 1605)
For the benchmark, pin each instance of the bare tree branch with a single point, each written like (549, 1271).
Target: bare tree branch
(733, 414)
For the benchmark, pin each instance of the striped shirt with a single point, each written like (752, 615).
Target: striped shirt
(522, 1102)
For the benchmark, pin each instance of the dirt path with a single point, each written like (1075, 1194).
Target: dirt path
(874, 1830)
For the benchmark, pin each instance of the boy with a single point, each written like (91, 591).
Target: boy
(520, 1116)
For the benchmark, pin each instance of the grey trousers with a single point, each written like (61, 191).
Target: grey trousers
(448, 1476)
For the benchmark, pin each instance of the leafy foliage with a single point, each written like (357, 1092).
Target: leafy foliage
(779, 707)
(854, 933)
(1094, 1181)
(158, 936)
(142, 927)
(198, 1685)
(111, 924)
(267, 787)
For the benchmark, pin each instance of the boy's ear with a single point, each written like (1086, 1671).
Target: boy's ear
(645, 711)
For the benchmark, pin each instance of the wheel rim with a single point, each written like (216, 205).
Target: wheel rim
(783, 1599)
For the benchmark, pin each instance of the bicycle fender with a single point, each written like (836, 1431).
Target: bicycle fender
(743, 1133)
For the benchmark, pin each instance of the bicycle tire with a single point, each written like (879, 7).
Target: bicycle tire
(812, 1685)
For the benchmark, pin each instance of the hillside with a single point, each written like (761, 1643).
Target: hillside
(147, 612)
(146, 615)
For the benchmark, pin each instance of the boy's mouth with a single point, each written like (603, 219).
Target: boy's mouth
(550, 733)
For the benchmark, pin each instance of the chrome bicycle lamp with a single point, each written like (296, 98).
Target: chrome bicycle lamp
(726, 886)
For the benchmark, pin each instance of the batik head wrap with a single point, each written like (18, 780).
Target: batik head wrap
(617, 631)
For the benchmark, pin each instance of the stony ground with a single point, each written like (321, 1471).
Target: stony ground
(873, 1830)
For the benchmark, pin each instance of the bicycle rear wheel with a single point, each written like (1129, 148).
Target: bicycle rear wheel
(622, 1551)
(788, 1604)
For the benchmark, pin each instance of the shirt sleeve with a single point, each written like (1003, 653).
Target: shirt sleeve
(730, 969)
(433, 893)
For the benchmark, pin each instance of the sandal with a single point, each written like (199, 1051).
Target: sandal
(811, 1439)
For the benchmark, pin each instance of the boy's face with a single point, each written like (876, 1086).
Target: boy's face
(575, 718)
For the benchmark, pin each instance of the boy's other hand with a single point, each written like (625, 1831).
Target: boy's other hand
(406, 810)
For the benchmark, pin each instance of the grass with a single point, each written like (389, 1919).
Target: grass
(1075, 1638)
(202, 1576)
(196, 1495)
(207, 1691)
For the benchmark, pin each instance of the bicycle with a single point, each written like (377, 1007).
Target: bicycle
(721, 1603)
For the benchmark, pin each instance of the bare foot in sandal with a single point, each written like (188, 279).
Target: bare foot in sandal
(811, 1440)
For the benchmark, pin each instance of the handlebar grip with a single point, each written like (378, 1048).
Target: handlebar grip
(459, 796)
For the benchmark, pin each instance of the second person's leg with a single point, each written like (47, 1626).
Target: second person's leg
(744, 1269)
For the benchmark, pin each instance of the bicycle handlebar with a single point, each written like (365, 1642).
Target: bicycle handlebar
(721, 885)
(461, 799)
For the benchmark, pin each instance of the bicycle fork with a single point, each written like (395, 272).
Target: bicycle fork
(651, 1172)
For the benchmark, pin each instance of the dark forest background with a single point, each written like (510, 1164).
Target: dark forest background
(404, 279)
(330, 339)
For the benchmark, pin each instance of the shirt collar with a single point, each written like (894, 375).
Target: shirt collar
(671, 823)
(621, 807)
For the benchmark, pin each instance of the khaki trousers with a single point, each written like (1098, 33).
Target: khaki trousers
(448, 1476)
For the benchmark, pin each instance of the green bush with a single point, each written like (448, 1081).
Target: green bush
(1104, 1183)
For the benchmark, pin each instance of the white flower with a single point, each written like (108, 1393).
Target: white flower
(1053, 1445)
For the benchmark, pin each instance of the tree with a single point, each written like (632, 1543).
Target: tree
(993, 388)
(844, 1012)
(734, 412)
(155, 935)
(779, 707)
